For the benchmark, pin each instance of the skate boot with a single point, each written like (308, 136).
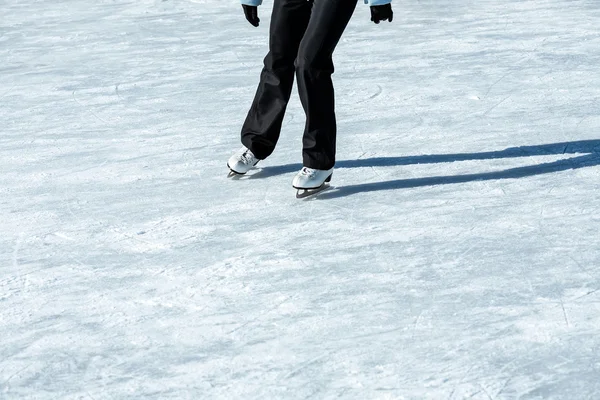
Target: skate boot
(310, 181)
(241, 162)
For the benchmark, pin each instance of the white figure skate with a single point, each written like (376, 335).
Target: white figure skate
(241, 162)
(311, 181)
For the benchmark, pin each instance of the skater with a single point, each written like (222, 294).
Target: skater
(302, 38)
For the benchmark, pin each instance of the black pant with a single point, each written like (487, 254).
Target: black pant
(302, 38)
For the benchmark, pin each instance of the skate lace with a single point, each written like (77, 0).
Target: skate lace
(308, 172)
(247, 158)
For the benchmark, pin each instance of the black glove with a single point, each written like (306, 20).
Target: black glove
(382, 13)
(251, 13)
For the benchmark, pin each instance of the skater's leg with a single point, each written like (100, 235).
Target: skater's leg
(314, 67)
(261, 129)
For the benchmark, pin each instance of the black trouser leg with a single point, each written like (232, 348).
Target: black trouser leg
(261, 129)
(314, 67)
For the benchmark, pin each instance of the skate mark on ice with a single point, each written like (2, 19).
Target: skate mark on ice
(372, 334)
(484, 391)
(460, 382)
(158, 154)
(89, 110)
(562, 305)
(376, 94)
(260, 315)
(71, 172)
(504, 385)
(553, 245)
(89, 395)
(8, 91)
(529, 55)
(297, 370)
(416, 324)
(512, 365)
(4, 385)
(497, 82)
(586, 294)
(15, 255)
(581, 121)
(496, 105)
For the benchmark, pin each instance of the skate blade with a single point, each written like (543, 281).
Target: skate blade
(305, 193)
(233, 174)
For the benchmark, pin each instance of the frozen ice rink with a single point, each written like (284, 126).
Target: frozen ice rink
(456, 255)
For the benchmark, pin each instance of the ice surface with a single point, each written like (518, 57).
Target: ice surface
(456, 256)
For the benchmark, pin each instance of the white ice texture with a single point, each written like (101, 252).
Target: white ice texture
(456, 255)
